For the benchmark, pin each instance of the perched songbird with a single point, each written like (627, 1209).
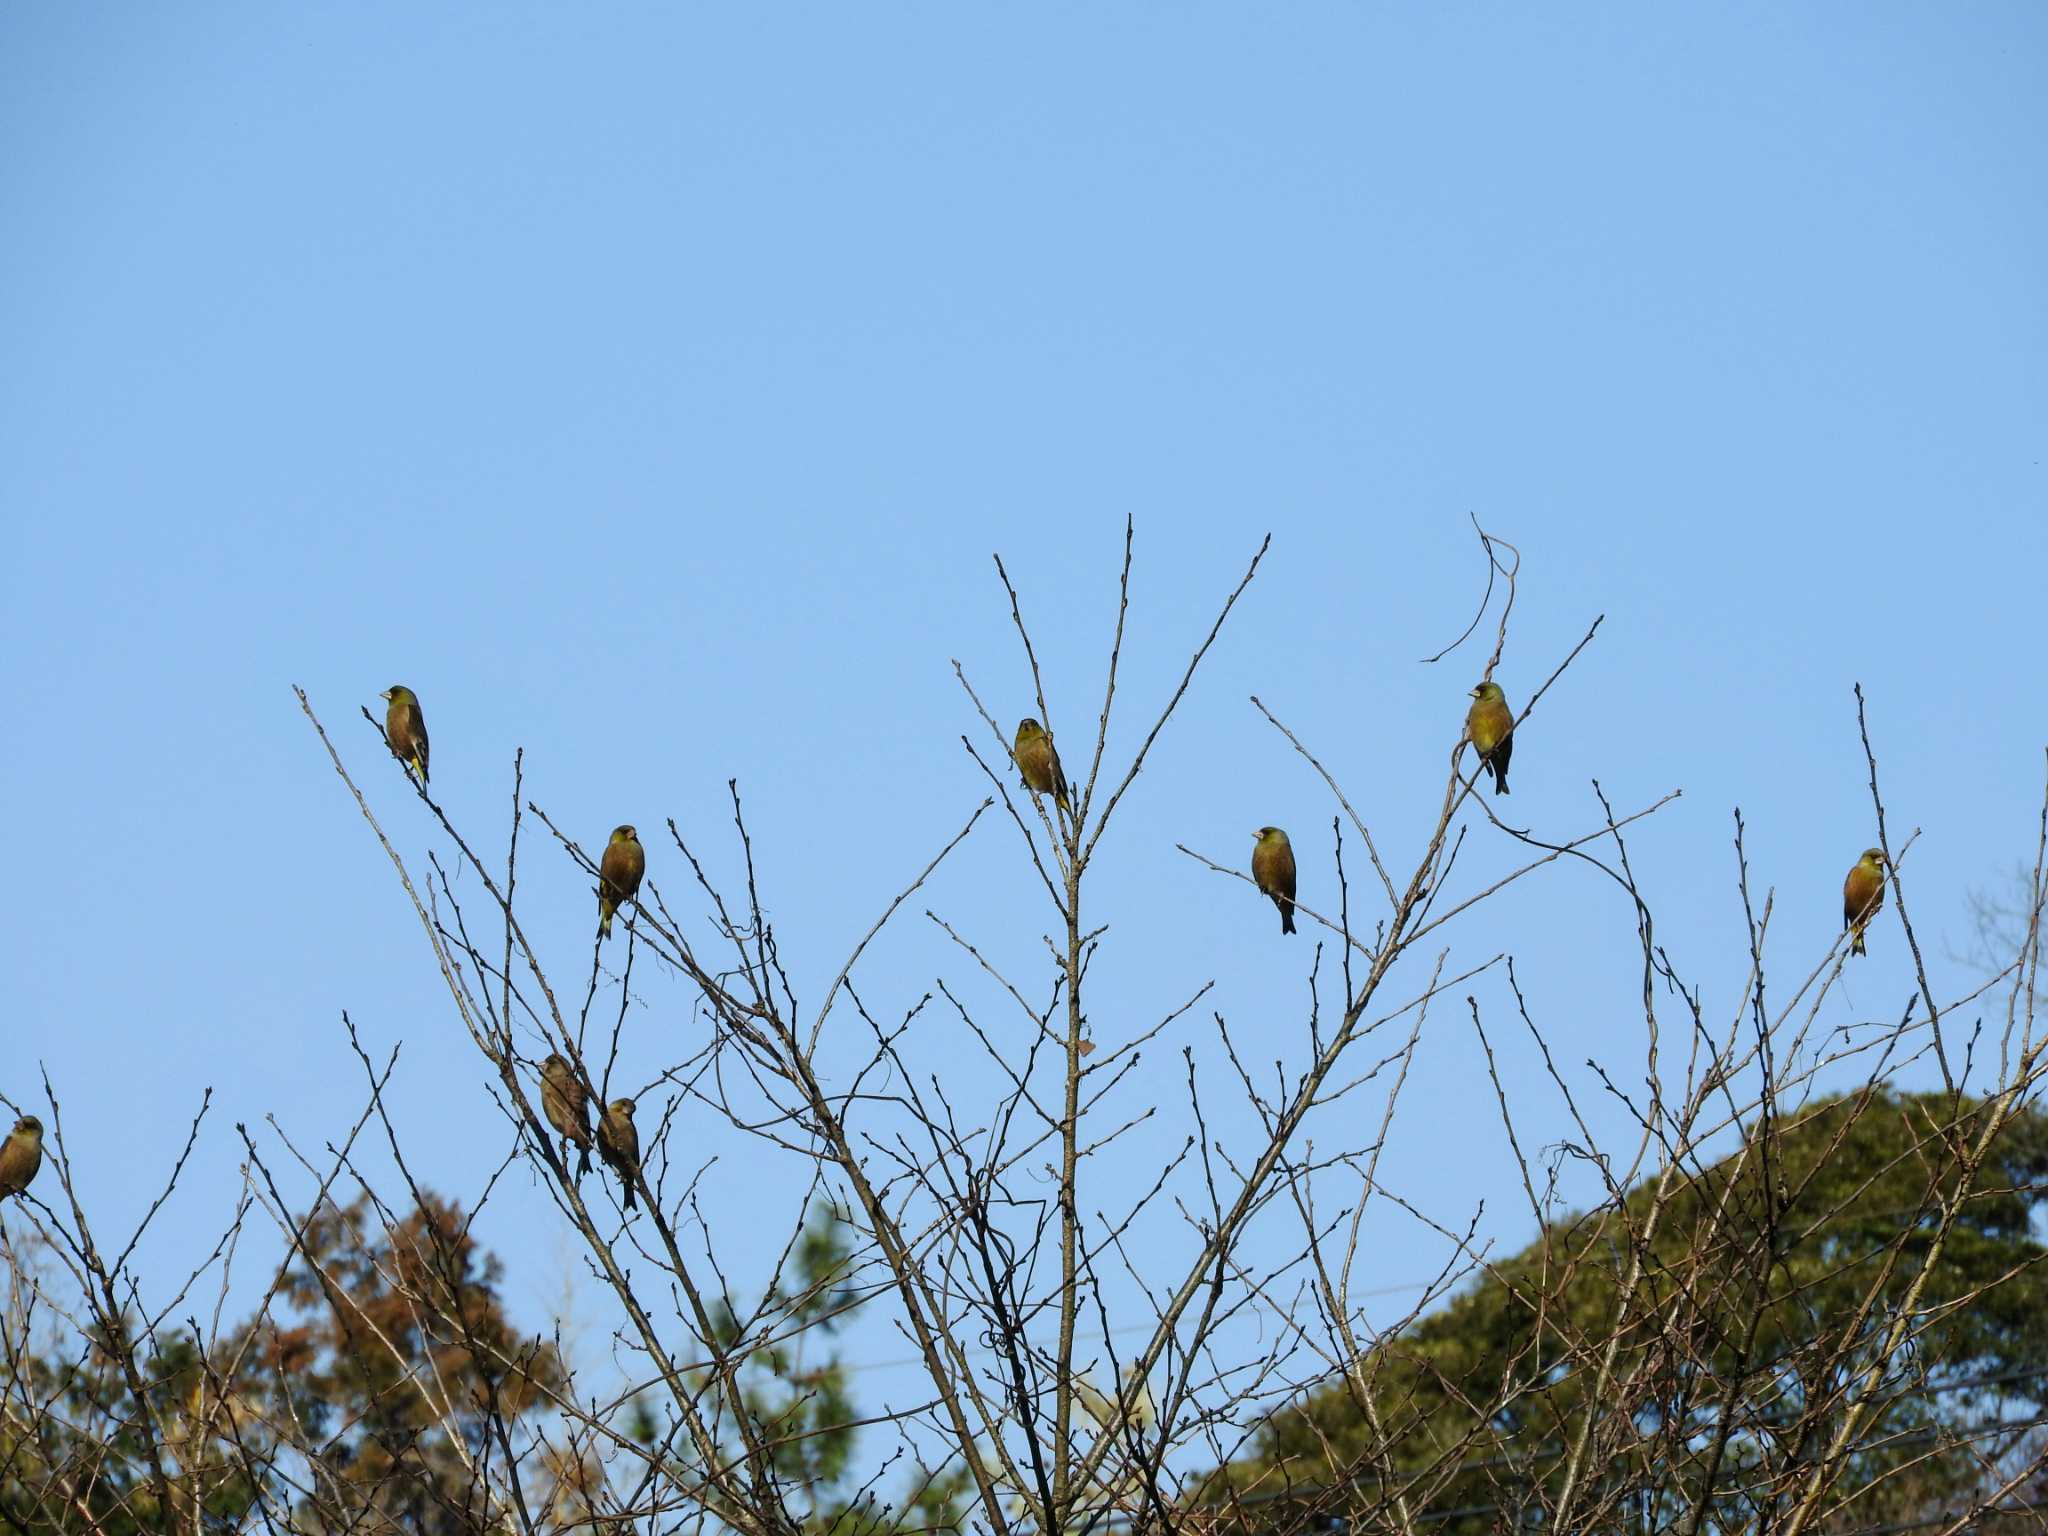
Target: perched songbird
(1273, 872)
(618, 875)
(1039, 763)
(405, 728)
(1490, 729)
(567, 1106)
(1862, 895)
(21, 1154)
(618, 1143)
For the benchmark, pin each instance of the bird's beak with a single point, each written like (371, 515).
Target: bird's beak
(385, 695)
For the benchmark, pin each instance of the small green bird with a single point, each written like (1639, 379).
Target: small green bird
(618, 876)
(566, 1103)
(405, 728)
(1862, 895)
(618, 1143)
(1491, 730)
(20, 1155)
(1273, 872)
(1039, 763)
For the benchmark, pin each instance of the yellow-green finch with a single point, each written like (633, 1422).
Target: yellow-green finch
(618, 875)
(1039, 763)
(618, 1143)
(1273, 872)
(1862, 895)
(1490, 728)
(405, 728)
(21, 1154)
(567, 1105)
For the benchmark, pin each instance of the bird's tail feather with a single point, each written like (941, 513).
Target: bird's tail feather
(1287, 917)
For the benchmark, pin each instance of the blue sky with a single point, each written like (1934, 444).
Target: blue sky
(649, 386)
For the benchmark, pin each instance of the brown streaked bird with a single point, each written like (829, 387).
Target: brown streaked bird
(1039, 763)
(618, 875)
(1490, 727)
(21, 1155)
(1273, 872)
(567, 1105)
(1862, 895)
(405, 728)
(618, 1143)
